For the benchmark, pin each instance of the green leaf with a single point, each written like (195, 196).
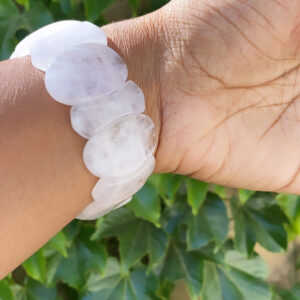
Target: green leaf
(134, 5)
(37, 17)
(180, 264)
(165, 289)
(58, 243)
(38, 291)
(72, 8)
(146, 204)
(227, 283)
(217, 286)
(290, 205)
(11, 20)
(156, 4)
(254, 266)
(53, 263)
(25, 3)
(84, 256)
(220, 191)
(35, 266)
(71, 231)
(174, 218)
(211, 224)
(5, 291)
(259, 219)
(93, 8)
(167, 185)
(137, 237)
(244, 195)
(292, 294)
(196, 193)
(33, 290)
(135, 285)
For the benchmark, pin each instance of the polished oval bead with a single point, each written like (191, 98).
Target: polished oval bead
(111, 194)
(113, 189)
(84, 73)
(121, 147)
(45, 49)
(88, 119)
(97, 209)
(24, 47)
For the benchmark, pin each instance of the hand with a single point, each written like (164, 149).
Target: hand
(221, 83)
(228, 89)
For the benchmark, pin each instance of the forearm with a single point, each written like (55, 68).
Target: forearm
(44, 183)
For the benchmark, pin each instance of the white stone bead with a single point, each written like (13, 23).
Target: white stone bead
(125, 202)
(123, 188)
(45, 49)
(121, 147)
(23, 48)
(88, 119)
(84, 73)
(96, 210)
(109, 195)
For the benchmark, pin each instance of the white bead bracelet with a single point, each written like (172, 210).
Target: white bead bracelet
(81, 71)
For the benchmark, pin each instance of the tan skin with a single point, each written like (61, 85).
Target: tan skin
(221, 83)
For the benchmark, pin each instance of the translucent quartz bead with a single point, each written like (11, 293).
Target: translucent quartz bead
(84, 73)
(23, 48)
(97, 209)
(45, 49)
(110, 194)
(88, 119)
(124, 203)
(127, 186)
(121, 147)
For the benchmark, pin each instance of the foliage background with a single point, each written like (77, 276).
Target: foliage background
(175, 228)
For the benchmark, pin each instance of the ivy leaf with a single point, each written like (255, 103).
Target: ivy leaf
(11, 20)
(180, 264)
(33, 290)
(290, 205)
(35, 266)
(211, 223)
(58, 243)
(174, 218)
(37, 17)
(259, 219)
(196, 193)
(25, 3)
(93, 8)
(244, 195)
(292, 294)
(167, 185)
(135, 285)
(84, 256)
(146, 204)
(156, 4)
(254, 266)
(71, 231)
(53, 263)
(165, 289)
(222, 283)
(137, 237)
(5, 291)
(220, 191)
(134, 6)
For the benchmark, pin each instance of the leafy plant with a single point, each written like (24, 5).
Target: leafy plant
(175, 228)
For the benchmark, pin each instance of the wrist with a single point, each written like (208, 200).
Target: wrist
(139, 43)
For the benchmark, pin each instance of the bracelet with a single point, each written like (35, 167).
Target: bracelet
(83, 72)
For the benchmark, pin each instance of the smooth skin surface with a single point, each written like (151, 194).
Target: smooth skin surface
(222, 86)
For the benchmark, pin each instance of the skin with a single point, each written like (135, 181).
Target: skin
(221, 84)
